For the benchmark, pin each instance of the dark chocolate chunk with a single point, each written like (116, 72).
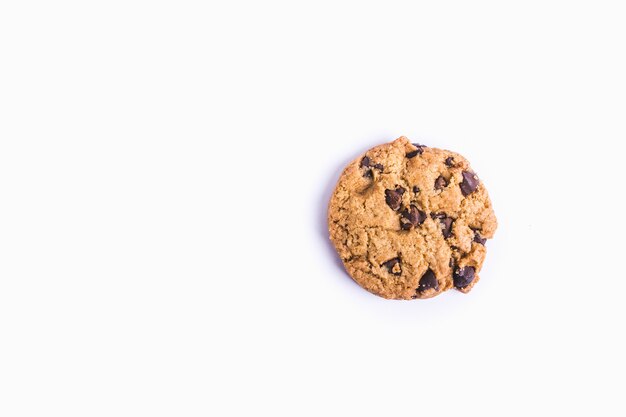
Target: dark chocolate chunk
(478, 238)
(393, 198)
(416, 152)
(446, 223)
(463, 276)
(447, 226)
(428, 281)
(450, 161)
(366, 162)
(441, 183)
(405, 224)
(411, 217)
(416, 216)
(421, 216)
(416, 189)
(393, 266)
(469, 184)
(405, 221)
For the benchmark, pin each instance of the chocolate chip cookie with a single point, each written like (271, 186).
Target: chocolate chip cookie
(409, 221)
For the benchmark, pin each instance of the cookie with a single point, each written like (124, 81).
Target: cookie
(409, 221)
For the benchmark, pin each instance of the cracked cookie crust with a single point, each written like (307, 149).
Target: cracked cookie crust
(409, 221)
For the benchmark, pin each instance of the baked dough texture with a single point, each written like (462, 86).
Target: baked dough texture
(409, 221)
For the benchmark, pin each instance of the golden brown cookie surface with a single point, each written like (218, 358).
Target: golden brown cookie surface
(410, 221)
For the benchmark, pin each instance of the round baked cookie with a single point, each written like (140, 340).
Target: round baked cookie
(409, 221)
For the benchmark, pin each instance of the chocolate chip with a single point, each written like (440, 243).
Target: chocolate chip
(463, 276)
(447, 226)
(393, 198)
(469, 184)
(416, 189)
(366, 162)
(393, 266)
(428, 281)
(441, 183)
(417, 145)
(405, 224)
(446, 223)
(411, 217)
(417, 216)
(450, 161)
(408, 214)
(478, 238)
(421, 217)
(416, 152)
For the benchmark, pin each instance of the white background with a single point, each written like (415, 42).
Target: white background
(164, 174)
